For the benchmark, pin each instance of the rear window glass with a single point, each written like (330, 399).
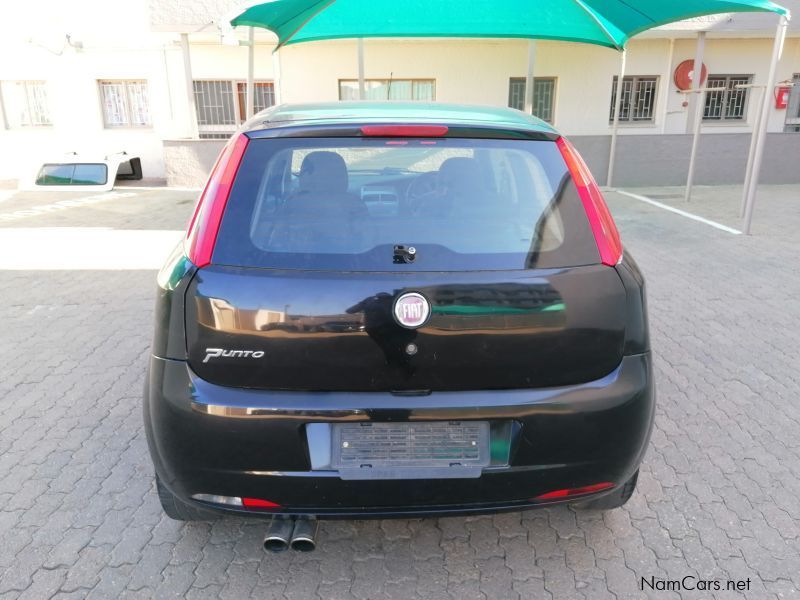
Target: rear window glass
(73, 174)
(361, 203)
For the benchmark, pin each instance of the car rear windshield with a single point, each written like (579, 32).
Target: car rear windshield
(377, 204)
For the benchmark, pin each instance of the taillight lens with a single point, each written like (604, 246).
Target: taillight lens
(603, 227)
(572, 492)
(204, 227)
(259, 503)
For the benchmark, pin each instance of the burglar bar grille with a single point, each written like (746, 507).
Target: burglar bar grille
(263, 97)
(125, 103)
(638, 99)
(726, 102)
(544, 89)
(214, 101)
(25, 103)
(222, 105)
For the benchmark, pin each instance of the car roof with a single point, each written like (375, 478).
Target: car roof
(360, 112)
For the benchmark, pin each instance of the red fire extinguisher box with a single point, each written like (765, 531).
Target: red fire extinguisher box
(782, 96)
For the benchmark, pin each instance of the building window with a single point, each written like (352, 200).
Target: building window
(263, 97)
(222, 105)
(638, 99)
(544, 93)
(390, 89)
(726, 101)
(25, 103)
(125, 103)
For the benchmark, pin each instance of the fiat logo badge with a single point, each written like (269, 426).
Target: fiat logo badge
(411, 310)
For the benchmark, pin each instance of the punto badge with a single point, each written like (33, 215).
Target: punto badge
(411, 310)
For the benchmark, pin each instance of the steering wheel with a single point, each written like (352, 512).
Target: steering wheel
(425, 185)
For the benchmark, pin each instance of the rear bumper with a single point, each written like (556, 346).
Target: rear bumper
(209, 439)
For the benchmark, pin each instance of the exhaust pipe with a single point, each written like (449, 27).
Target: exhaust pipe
(278, 535)
(304, 534)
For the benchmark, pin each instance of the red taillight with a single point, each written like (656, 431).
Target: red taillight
(570, 492)
(258, 503)
(605, 231)
(404, 130)
(204, 227)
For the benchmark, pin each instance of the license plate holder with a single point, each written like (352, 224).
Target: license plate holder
(410, 450)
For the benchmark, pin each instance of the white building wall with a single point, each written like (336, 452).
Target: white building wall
(115, 43)
(467, 71)
(478, 72)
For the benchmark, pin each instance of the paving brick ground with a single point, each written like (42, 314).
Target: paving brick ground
(719, 493)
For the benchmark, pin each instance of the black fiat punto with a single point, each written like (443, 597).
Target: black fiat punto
(389, 310)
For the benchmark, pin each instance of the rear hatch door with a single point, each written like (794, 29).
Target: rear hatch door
(323, 239)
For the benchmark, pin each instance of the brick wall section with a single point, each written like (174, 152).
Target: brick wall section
(188, 162)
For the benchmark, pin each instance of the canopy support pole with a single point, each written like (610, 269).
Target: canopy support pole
(758, 155)
(529, 79)
(698, 121)
(612, 153)
(187, 76)
(697, 80)
(276, 77)
(362, 88)
(251, 60)
(665, 89)
(748, 173)
(696, 103)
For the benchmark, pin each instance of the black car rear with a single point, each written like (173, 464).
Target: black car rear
(377, 318)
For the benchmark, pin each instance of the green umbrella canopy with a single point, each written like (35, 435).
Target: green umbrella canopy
(607, 23)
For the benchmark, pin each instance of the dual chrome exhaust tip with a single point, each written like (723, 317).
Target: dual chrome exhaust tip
(297, 534)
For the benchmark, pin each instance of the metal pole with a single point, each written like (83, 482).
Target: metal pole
(695, 116)
(698, 121)
(664, 100)
(617, 108)
(251, 60)
(362, 88)
(751, 154)
(758, 156)
(276, 77)
(529, 78)
(187, 75)
(697, 80)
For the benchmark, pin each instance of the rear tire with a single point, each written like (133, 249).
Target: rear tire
(177, 509)
(615, 499)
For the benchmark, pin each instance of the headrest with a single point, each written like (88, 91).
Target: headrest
(462, 175)
(323, 171)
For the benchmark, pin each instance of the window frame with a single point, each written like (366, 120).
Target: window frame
(24, 95)
(553, 97)
(238, 108)
(635, 80)
(127, 101)
(727, 90)
(386, 80)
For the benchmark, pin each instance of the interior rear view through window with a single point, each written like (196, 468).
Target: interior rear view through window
(459, 204)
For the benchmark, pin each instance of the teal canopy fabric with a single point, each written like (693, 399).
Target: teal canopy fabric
(607, 23)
